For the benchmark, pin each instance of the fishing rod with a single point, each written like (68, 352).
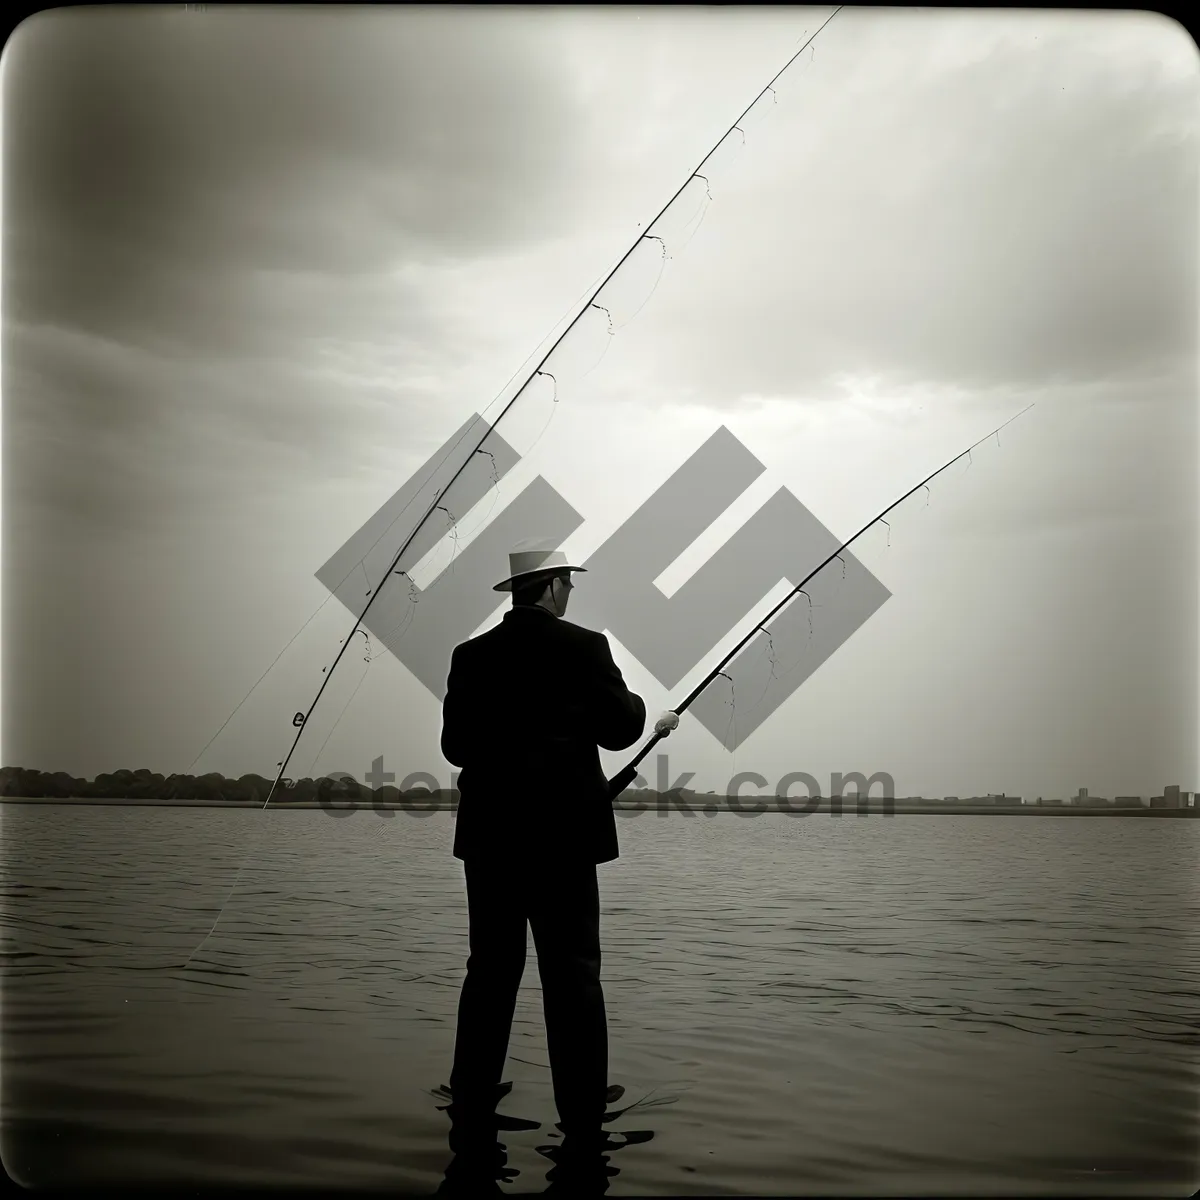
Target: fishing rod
(623, 778)
(301, 719)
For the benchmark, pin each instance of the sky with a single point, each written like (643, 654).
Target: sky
(259, 264)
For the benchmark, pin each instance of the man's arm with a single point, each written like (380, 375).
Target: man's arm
(456, 717)
(619, 714)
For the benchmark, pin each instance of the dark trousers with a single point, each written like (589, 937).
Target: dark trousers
(561, 903)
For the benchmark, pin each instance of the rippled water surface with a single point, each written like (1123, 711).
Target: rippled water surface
(914, 1005)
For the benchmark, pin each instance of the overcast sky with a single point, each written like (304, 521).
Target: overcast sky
(259, 265)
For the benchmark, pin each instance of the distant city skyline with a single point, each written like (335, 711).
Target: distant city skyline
(17, 782)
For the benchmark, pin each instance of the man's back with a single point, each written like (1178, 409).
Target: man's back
(527, 704)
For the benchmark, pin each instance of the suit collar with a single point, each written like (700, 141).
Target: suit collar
(528, 608)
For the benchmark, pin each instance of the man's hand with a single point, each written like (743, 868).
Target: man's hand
(666, 723)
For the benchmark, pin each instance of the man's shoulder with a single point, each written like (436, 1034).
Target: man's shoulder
(481, 644)
(590, 638)
(467, 649)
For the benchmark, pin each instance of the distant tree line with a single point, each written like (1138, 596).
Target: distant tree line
(149, 785)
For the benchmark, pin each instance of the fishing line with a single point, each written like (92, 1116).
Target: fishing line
(732, 704)
(698, 218)
(301, 719)
(662, 266)
(611, 332)
(233, 888)
(732, 729)
(772, 678)
(260, 679)
(807, 641)
(550, 416)
(400, 628)
(345, 709)
(453, 532)
(550, 375)
(255, 845)
(277, 657)
(494, 489)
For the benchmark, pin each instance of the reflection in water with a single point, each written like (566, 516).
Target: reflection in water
(580, 1163)
(582, 1166)
(480, 1160)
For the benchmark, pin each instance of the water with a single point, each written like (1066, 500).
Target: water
(914, 1005)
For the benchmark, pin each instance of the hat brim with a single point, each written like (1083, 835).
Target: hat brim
(506, 585)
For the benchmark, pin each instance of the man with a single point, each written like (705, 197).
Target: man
(527, 704)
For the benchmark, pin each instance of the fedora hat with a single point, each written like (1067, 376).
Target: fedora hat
(534, 556)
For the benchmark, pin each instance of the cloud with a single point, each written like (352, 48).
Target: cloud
(160, 162)
(1020, 213)
(231, 237)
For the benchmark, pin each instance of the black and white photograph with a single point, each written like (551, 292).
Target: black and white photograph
(600, 600)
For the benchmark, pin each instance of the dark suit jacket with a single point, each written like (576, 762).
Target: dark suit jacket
(527, 704)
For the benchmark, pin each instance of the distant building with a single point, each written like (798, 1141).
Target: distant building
(1129, 802)
(1050, 800)
(1171, 798)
